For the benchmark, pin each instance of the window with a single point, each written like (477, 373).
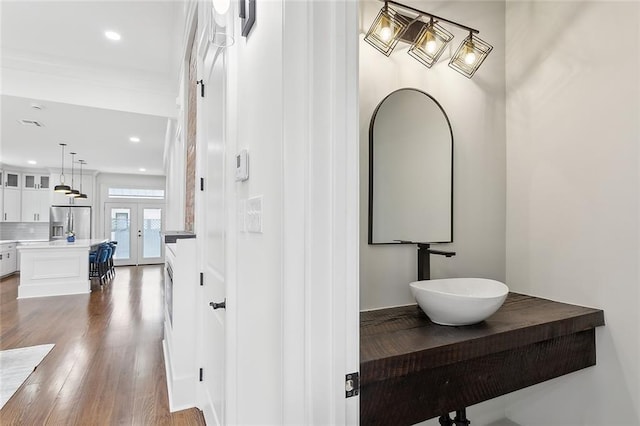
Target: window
(149, 194)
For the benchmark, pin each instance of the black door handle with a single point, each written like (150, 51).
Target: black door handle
(221, 305)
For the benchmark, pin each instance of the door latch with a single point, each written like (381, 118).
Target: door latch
(201, 84)
(352, 384)
(221, 305)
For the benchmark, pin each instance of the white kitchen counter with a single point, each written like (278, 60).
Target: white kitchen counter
(54, 268)
(59, 244)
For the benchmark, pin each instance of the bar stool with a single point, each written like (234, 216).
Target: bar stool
(103, 262)
(94, 271)
(112, 269)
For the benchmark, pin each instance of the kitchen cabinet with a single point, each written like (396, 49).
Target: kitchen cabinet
(1, 195)
(12, 204)
(11, 179)
(35, 205)
(11, 196)
(8, 260)
(180, 324)
(35, 182)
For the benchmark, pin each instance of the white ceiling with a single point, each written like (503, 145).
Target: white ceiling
(54, 53)
(99, 136)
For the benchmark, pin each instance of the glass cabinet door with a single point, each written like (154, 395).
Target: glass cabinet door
(12, 180)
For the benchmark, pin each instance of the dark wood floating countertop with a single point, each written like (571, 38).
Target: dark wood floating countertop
(412, 369)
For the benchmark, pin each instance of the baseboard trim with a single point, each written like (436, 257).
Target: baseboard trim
(181, 391)
(209, 413)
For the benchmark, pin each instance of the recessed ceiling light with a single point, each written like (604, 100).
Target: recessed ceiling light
(142, 169)
(134, 139)
(112, 35)
(37, 106)
(32, 162)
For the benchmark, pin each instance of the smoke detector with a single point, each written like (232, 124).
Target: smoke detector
(32, 123)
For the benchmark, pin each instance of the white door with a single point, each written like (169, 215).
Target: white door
(136, 228)
(212, 142)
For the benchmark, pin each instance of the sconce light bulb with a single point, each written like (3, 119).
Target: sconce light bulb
(431, 46)
(386, 29)
(221, 6)
(386, 33)
(470, 58)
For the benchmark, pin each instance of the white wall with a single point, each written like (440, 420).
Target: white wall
(476, 111)
(257, 122)
(573, 114)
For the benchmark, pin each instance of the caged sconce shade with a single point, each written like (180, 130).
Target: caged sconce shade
(470, 55)
(430, 44)
(428, 39)
(386, 30)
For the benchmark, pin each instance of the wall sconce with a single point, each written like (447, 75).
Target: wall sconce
(221, 24)
(386, 30)
(430, 43)
(428, 40)
(470, 55)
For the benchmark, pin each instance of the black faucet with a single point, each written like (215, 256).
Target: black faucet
(424, 260)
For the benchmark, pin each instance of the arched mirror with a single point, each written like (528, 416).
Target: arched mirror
(410, 170)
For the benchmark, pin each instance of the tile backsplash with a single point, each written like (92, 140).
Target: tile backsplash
(24, 231)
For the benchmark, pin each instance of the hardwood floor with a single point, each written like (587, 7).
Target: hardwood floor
(107, 367)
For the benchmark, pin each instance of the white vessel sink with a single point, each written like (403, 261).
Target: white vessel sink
(459, 301)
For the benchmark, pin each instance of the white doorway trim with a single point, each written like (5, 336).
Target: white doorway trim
(321, 212)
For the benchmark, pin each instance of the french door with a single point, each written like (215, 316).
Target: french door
(136, 228)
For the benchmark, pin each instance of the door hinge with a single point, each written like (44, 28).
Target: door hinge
(201, 278)
(201, 374)
(201, 184)
(201, 83)
(352, 384)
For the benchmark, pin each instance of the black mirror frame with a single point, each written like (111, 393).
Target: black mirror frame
(370, 215)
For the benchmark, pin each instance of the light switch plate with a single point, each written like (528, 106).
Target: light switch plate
(253, 219)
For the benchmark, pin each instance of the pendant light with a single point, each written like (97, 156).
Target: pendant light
(74, 192)
(82, 195)
(65, 189)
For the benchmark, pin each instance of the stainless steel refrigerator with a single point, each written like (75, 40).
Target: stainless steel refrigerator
(63, 219)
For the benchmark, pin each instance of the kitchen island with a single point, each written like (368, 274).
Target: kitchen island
(55, 268)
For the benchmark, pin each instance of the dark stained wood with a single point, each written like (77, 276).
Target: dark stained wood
(432, 392)
(107, 367)
(412, 369)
